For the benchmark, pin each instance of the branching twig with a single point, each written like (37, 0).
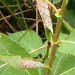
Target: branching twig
(56, 36)
(14, 30)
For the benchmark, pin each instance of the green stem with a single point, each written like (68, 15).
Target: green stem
(56, 36)
(59, 21)
(47, 52)
(52, 55)
(22, 14)
(67, 26)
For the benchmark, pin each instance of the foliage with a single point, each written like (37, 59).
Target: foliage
(24, 52)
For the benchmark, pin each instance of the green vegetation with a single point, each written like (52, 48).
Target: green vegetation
(28, 46)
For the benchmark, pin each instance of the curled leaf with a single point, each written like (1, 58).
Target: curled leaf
(18, 62)
(13, 61)
(30, 63)
(42, 6)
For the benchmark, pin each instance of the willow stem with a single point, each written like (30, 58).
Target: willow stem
(56, 36)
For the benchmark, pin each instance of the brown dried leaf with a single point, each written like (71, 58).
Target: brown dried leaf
(42, 6)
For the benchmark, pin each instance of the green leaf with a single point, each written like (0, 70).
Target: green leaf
(44, 49)
(70, 17)
(9, 47)
(8, 70)
(22, 63)
(28, 40)
(49, 36)
(63, 65)
(62, 36)
(56, 1)
(68, 45)
(47, 33)
(14, 61)
(69, 72)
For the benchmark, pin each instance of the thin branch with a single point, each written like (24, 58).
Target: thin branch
(51, 9)
(27, 18)
(56, 36)
(51, 5)
(14, 30)
(11, 6)
(36, 19)
(37, 49)
(31, 5)
(15, 14)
